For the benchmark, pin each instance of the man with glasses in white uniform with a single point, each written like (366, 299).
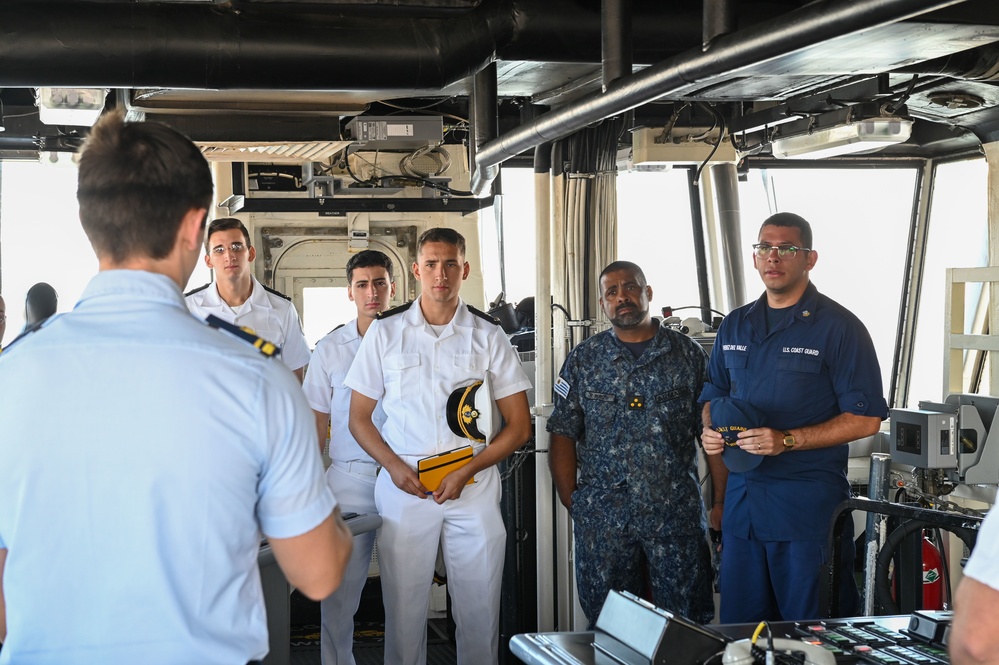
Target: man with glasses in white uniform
(237, 297)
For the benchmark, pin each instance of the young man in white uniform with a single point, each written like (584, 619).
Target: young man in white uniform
(411, 359)
(237, 297)
(352, 473)
(131, 514)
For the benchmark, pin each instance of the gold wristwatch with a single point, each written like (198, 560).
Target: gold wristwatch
(789, 441)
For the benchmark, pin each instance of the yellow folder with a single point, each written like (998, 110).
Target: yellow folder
(433, 469)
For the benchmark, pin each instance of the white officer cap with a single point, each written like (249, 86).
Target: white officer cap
(472, 411)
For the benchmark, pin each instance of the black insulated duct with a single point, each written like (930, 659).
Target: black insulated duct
(615, 40)
(719, 19)
(484, 107)
(215, 47)
(318, 46)
(809, 25)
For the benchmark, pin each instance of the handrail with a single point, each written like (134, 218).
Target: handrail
(829, 593)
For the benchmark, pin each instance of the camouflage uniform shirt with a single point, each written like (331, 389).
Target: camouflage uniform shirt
(634, 423)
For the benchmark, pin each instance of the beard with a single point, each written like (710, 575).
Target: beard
(629, 319)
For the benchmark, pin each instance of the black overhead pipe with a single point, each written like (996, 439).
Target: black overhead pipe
(543, 151)
(719, 19)
(566, 31)
(700, 254)
(809, 25)
(260, 47)
(484, 111)
(485, 101)
(278, 46)
(615, 40)
(543, 158)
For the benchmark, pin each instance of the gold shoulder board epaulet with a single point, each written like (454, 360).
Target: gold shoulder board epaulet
(269, 349)
(395, 310)
(482, 315)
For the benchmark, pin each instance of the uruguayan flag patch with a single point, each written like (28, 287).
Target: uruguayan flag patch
(562, 387)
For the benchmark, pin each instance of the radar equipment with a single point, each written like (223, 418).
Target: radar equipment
(957, 436)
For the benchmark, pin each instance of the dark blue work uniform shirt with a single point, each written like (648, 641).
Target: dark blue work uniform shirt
(817, 363)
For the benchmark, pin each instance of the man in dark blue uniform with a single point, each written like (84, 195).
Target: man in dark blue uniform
(626, 417)
(809, 365)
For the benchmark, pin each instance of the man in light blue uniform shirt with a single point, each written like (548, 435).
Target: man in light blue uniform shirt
(352, 472)
(131, 514)
(808, 364)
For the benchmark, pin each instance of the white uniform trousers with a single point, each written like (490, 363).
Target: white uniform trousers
(472, 537)
(355, 492)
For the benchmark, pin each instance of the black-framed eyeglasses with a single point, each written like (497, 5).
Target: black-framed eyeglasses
(784, 251)
(235, 248)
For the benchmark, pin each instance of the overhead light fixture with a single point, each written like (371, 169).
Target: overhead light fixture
(79, 107)
(852, 137)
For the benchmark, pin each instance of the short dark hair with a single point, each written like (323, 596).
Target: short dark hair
(625, 265)
(136, 182)
(369, 258)
(441, 234)
(224, 224)
(789, 219)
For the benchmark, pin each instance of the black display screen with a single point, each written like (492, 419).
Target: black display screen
(909, 438)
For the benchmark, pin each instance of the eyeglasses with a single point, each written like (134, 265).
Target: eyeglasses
(235, 248)
(784, 251)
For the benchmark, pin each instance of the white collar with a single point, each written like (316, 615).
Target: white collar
(348, 333)
(258, 297)
(462, 317)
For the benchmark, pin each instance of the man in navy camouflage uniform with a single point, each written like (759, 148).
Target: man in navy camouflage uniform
(625, 418)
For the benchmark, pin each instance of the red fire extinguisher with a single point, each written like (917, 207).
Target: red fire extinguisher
(932, 576)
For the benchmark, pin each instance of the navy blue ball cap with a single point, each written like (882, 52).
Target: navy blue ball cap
(729, 417)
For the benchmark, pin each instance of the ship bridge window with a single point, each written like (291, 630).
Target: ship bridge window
(957, 238)
(654, 230)
(520, 239)
(41, 239)
(325, 308)
(860, 218)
